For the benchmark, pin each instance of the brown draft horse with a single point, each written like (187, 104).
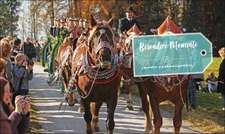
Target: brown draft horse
(95, 71)
(154, 90)
(174, 89)
(63, 70)
(171, 88)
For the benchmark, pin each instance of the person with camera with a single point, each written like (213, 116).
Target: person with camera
(13, 120)
(22, 72)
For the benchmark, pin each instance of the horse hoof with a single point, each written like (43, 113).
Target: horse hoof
(97, 129)
(149, 131)
(81, 110)
(76, 101)
(130, 108)
(110, 132)
(89, 132)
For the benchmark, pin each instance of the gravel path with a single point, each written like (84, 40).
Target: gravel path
(46, 101)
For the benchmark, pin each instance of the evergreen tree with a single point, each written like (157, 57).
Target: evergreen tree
(8, 17)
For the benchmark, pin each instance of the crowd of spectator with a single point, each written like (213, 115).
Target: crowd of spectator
(16, 69)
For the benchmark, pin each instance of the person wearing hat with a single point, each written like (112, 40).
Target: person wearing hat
(127, 22)
(63, 30)
(73, 32)
(54, 30)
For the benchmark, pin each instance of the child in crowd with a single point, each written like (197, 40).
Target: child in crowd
(16, 49)
(212, 82)
(22, 73)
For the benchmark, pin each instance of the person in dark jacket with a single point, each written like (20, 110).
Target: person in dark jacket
(54, 30)
(221, 77)
(29, 50)
(22, 73)
(19, 116)
(127, 22)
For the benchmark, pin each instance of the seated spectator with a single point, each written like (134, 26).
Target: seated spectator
(212, 82)
(18, 116)
(22, 73)
(198, 78)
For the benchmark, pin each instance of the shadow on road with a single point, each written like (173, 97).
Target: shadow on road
(47, 118)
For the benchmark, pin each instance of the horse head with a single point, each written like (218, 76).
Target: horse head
(101, 43)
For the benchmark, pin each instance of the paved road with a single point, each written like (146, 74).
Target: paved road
(46, 101)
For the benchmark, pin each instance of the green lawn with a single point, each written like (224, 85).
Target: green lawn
(214, 67)
(208, 117)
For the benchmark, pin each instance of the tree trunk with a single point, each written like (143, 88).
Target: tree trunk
(52, 12)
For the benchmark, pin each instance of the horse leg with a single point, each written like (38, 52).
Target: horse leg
(156, 112)
(145, 106)
(110, 124)
(177, 120)
(81, 107)
(128, 94)
(95, 112)
(87, 116)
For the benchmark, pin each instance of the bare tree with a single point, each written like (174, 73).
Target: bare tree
(43, 13)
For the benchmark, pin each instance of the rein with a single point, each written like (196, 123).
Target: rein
(91, 88)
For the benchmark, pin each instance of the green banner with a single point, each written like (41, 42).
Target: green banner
(155, 55)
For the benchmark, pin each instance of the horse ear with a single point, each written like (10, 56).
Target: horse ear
(110, 21)
(92, 21)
